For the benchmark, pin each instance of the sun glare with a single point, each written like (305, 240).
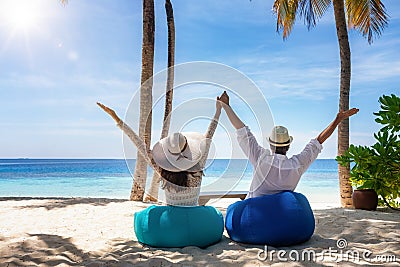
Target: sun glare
(20, 14)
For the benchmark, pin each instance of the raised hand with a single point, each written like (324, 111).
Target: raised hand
(224, 98)
(342, 115)
(218, 104)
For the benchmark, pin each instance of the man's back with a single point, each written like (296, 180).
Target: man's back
(274, 173)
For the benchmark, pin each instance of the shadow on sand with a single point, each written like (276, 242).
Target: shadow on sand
(353, 225)
(58, 203)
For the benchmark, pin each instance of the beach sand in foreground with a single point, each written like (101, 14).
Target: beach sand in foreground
(99, 232)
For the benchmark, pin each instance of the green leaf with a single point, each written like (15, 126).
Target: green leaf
(378, 166)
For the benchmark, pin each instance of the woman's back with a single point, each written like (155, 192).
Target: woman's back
(181, 188)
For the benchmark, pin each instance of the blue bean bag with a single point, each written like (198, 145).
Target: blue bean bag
(173, 226)
(277, 220)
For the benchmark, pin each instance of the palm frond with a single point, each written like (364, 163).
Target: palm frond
(367, 16)
(286, 15)
(312, 10)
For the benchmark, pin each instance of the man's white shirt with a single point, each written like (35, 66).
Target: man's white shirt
(274, 173)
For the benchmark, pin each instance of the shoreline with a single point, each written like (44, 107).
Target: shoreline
(99, 232)
(111, 179)
(318, 203)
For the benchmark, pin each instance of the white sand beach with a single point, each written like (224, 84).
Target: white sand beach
(99, 232)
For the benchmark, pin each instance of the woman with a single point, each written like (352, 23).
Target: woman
(181, 158)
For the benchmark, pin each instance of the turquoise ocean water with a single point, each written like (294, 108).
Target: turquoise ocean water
(111, 178)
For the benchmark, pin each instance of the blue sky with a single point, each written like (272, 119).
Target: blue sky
(57, 61)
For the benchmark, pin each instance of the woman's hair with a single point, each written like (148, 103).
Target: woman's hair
(182, 178)
(282, 150)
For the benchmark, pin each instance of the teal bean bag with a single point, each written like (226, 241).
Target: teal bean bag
(175, 226)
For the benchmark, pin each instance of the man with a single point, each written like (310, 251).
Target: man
(273, 170)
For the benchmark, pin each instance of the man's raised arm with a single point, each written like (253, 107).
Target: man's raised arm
(342, 115)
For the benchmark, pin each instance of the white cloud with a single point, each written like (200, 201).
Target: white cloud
(14, 80)
(73, 55)
(376, 67)
(285, 77)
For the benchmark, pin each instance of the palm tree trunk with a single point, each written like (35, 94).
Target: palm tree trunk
(345, 76)
(140, 175)
(170, 75)
(155, 183)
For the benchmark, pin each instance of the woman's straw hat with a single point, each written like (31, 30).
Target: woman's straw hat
(180, 152)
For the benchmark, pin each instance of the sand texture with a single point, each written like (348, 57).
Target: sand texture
(99, 232)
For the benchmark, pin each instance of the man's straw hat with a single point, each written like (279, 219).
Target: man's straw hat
(280, 136)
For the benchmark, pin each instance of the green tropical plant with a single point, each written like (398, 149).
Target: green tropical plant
(378, 166)
(368, 17)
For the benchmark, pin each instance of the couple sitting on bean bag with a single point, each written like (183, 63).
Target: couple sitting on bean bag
(271, 214)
